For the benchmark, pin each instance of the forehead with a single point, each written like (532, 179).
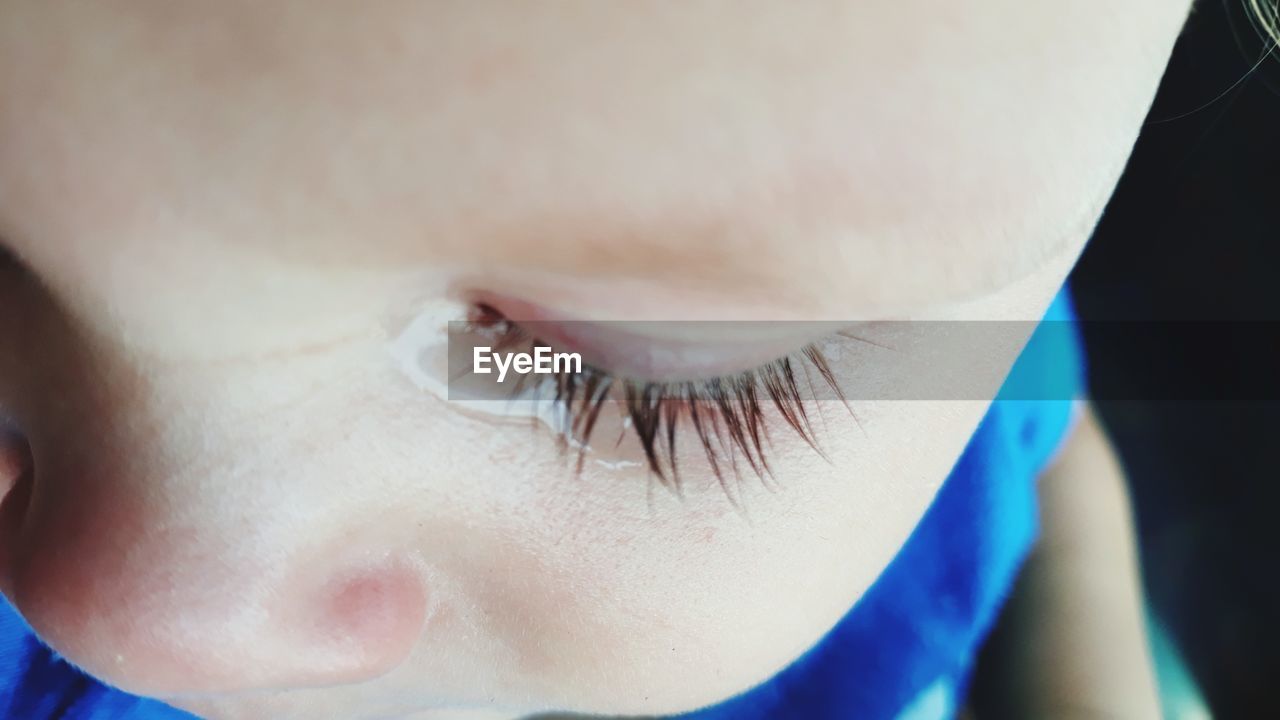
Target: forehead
(873, 155)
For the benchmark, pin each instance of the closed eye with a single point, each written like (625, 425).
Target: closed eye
(726, 414)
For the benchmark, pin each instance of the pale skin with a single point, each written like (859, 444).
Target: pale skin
(1071, 642)
(223, 214)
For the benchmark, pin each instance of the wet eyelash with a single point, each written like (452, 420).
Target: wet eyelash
(727, 413)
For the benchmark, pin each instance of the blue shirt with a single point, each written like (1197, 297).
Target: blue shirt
(902, 652)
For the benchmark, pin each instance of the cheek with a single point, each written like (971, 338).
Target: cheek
(604, 584)
(611, 594)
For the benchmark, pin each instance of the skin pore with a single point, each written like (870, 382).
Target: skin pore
(222, 214)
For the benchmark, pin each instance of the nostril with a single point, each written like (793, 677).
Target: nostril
(16, 468)
(15, 460)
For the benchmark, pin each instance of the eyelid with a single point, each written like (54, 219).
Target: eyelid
(628, 353)
(663, 351)
(726, 414)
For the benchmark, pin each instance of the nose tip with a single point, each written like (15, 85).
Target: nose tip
(358, 624)
(165, 620)
(164, 605)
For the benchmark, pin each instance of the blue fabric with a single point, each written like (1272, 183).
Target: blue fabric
(903, 651)
(37, 684)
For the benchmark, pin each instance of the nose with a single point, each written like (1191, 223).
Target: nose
(164, 606)
(144, 565)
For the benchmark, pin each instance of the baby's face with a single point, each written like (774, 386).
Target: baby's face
(230, 212)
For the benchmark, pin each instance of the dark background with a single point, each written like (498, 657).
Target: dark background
(1191, 234)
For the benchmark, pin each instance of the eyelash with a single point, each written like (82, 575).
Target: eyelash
(726, 413)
